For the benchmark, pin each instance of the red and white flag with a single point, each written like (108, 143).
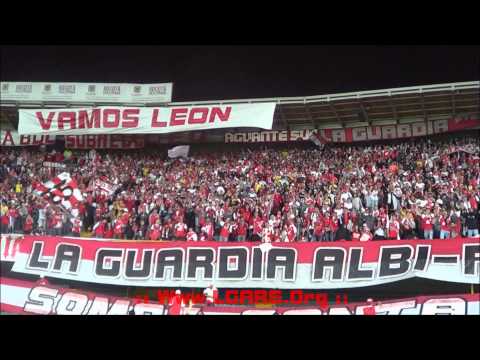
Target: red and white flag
(61, 190)
(318, 140)
(104, 186)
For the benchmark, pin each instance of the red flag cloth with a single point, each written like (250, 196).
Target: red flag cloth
(369, 310)
(317, 139)
(175, 305)
(61, 190)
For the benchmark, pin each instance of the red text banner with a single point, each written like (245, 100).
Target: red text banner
(13, 138)
(104, 141)
(27, 297)
(244, 265)
(357, 134)
(141, 120)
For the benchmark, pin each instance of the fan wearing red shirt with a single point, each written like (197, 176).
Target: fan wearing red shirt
(98, 212)
(328, 226)
(176, 304)
(241, 231)
(456, 227)
(208, 231)
(118, 229)
(152, 219)
(155, 231)
(27, 227)
(99, 229)
(394, 229)
(334, 225)
(473, 202)
(268, 235)
(427, 225)
(180, 231)
(108, 234)
(444, 226)
(125, 216)
(77, 226)
(257, 228)
(4, 223)
(81, 208)
(246, 216)
(291, 232)
(370, 309)
(179, 215)
(318, 230)
(277, 200)
(355, 234)
(225, 231)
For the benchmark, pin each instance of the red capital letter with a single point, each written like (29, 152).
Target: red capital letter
(130, 118)
(223, 116)
(45, 124)
(111, 123)
(155, 122)
(203, 116)
(175, 116)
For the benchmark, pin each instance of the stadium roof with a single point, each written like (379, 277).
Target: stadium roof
(374, 107)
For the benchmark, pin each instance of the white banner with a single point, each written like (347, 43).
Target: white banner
(141, 120)
(86, 92)
(13, 138)
(179, 151)
(244, 265)
(56, 165)
(28, 297)
(105, 187)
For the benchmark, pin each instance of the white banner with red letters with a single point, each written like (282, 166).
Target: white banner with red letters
(13, 138)
(142, 120)
(356, 134)
(245, 265)
(86, 92)
(104, 141)
(28, 297)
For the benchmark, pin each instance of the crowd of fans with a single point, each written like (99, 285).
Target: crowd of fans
(419, 189)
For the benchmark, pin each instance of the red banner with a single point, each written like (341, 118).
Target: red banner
(104, 141)
(13, 138)
(245, 265)
(357, 134)
(27, 297)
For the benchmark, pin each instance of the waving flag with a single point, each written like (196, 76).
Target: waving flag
(104, 186)
(179, 151)
(61, 190)
(318, 140)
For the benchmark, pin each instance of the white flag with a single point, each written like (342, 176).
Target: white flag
(179, 151)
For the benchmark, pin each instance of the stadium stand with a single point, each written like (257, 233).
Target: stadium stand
(272, 188)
